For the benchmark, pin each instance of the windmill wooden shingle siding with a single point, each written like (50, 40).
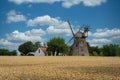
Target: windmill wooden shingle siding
(79, 47)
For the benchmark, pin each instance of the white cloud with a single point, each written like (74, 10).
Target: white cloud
(5, 42)
(15, 38)
(34, 1)
(12, 16)
(55, 25)
(42, 20)
(100, 41)
(35, 32)
(70, 3)
(57, 31)
(103, 33)
(93, 2)
(32, 35)
(105, 36)
(65, 3)
(116, 37)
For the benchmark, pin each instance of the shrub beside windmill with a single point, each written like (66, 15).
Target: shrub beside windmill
(79, 46)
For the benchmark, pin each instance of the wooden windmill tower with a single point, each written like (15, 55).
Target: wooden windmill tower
(79, 47)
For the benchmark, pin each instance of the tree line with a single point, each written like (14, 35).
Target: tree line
(57, 45)
(106, 50)
(6, 52)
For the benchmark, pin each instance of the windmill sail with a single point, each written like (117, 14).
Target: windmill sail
(69, 40)
(71, 28)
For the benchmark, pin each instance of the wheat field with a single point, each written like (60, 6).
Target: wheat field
(59, 68)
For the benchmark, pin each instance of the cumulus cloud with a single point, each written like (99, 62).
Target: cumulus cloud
(5, 42)
(15, 38)
(70, 3)
(32, 35)
(42, 20)
(65, 3)
(105, 36)
(93, 2)
(34, 1)
(57, 31)
(55, 26)
(101, 33)
(12, 16)
(100, 42)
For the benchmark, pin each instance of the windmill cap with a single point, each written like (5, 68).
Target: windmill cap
(79, 34)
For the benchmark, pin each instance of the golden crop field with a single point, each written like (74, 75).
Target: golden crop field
(59, 68)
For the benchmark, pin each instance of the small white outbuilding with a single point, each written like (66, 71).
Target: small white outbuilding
(38, 52)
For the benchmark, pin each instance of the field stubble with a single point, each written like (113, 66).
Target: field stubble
(59, 68)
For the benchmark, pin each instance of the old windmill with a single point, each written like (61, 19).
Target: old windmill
(79, 47)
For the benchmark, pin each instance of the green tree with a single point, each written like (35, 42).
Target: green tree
(111, 50)
(13, 53)
(101, 54)
(118, 53)
(106, 50)
(38, 44)
(27, 47)
(57, 44)
(95, 53)
(4, 52)
(94, 50)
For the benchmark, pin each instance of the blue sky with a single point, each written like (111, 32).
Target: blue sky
(41, 20)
